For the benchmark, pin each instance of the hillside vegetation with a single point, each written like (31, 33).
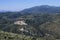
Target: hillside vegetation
(40, 22)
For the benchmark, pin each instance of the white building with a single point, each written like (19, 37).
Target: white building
(20, 23)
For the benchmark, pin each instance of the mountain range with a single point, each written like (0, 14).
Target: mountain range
(42, 21)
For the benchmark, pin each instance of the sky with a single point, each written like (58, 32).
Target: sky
(17, 5)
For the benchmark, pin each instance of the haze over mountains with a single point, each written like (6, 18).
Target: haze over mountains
(42, 8)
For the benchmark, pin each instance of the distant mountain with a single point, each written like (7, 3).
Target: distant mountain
(38, 9)
(42, 9)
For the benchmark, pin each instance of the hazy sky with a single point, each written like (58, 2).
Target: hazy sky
(15, 5)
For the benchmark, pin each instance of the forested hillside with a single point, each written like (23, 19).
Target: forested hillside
(38, 22)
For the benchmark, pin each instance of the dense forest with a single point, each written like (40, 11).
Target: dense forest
(43, 23)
